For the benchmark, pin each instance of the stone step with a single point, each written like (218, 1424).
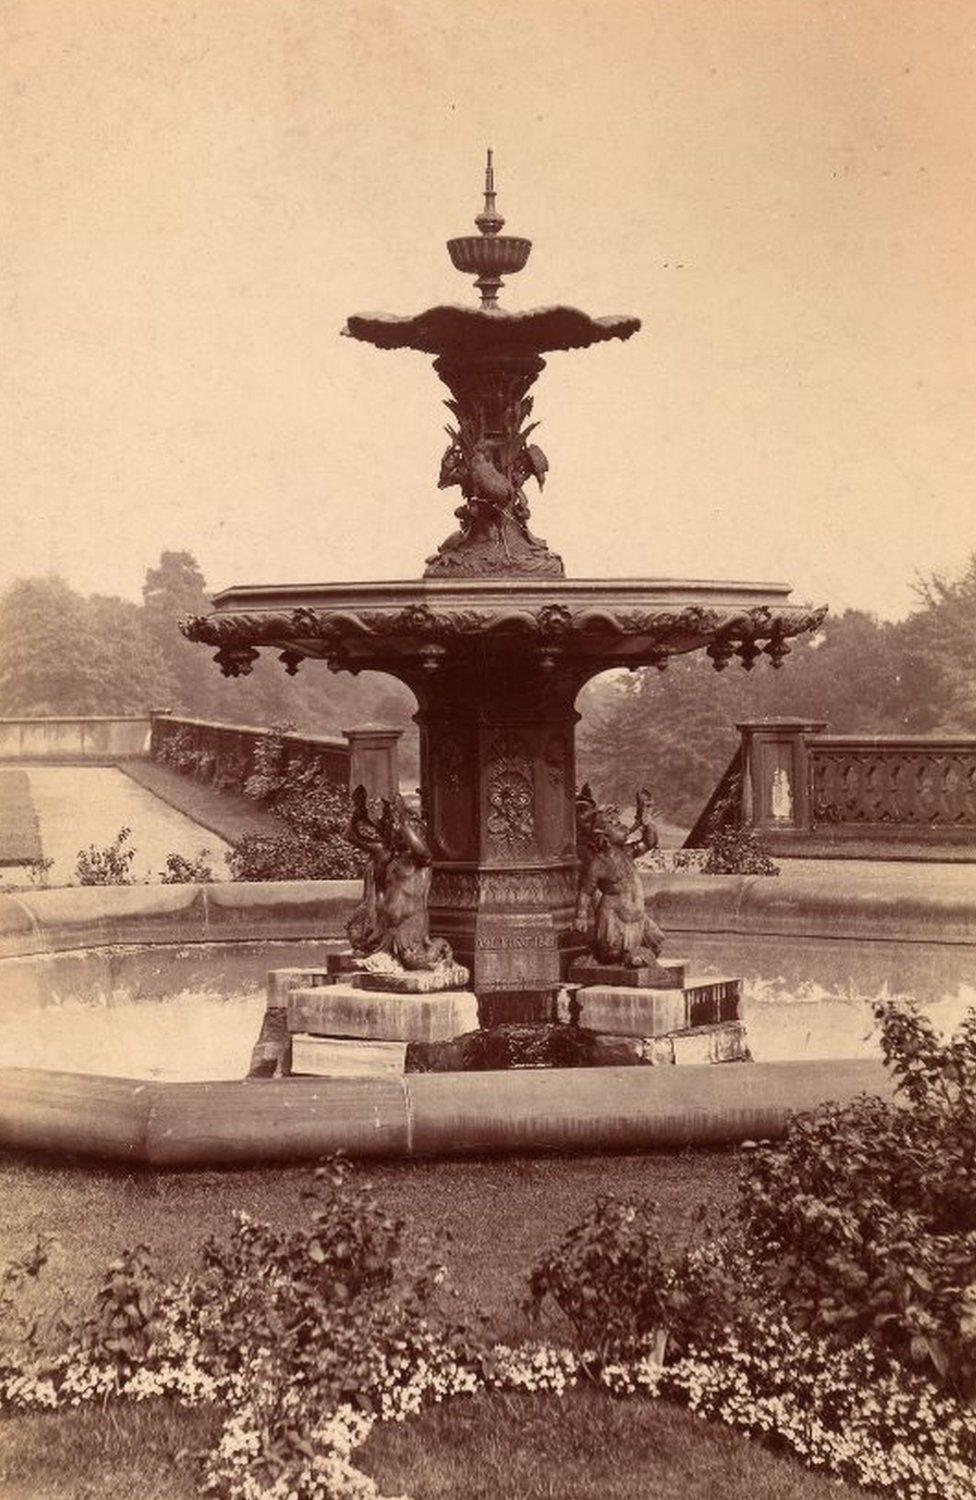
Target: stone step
(344, 1010)
(328, 1057)
(700, 1044)
(725, 1042)
(622, 1011)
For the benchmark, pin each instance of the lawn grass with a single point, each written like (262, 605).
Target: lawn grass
(490, 1219)
(586, 1445)
(20, 834)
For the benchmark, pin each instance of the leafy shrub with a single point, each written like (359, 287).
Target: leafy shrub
(108, 866)
(314, 845)
(269, 767)
(738, 851)
(863, 1220)
(616, 1284)
(128, 1305)
(39, 869)
(182, 871)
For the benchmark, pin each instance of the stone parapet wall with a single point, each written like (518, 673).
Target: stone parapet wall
(74, 917)
(99, 739)
(224, 753)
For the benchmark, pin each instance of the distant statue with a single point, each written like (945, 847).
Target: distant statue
(392, 916)
(610, 899)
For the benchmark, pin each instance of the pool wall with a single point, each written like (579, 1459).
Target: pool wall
(434, 1114)
(837, 928)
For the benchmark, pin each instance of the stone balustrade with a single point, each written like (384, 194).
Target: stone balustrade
(225, 753)
(806, 792)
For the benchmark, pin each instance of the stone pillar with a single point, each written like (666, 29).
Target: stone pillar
(373, 759)
(776, 775)
(498, 771)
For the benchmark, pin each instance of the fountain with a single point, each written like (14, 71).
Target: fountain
(529, 891)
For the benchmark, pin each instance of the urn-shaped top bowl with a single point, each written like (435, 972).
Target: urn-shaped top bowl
(488, 255)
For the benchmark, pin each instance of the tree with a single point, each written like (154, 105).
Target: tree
(941, 639)
(172, 590)
(47, 649)
(61, 653)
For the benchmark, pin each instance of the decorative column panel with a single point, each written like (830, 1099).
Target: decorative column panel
(500, 787)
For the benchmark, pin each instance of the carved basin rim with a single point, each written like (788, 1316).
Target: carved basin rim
(453, 329)
(606, 621)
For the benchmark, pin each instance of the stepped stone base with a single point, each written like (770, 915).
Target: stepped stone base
(345, 1010)
(556, 1046)
(651, 1012)
(329, 1023)
(328, 1057)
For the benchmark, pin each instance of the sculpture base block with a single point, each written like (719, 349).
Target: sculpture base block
(390, 976)
(628, 1011)
(343, 1010)
(668, 974)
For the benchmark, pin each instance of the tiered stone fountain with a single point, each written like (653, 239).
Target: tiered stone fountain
(533, 892)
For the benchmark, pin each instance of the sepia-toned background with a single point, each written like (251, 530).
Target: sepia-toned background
(197, 193)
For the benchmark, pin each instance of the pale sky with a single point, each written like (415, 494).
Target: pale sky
(197, 193)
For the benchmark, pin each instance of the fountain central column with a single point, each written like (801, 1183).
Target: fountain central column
(497, 755)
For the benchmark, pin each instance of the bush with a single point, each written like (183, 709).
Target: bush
(182, 871)
(738, 851)
(108, 866)
(314, 847)
(863, 1220)
(612, 1279)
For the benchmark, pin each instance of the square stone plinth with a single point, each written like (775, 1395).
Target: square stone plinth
(449, 979)
(346, 1010)
(669, 973)
(330, 1057)
(623, 1011)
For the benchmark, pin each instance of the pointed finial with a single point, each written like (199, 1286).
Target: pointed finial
(489, 254)
(489, 221)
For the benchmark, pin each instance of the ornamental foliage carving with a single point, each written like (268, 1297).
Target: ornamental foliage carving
(511, 798)
(347, 638)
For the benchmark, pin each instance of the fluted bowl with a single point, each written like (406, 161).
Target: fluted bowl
(486, 254)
